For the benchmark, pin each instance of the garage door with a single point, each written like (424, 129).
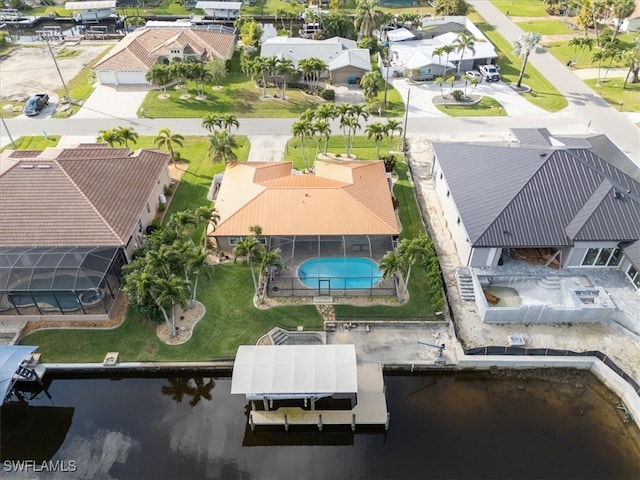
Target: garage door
(128, 78)
(107, 78)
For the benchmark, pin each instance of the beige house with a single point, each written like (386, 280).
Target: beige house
(130, 60)
(344, 211)
(69, 219)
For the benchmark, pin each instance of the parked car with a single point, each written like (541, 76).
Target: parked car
(471, 74)
(490, 73)
(35, 104)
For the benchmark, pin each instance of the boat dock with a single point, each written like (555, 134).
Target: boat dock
(371, 408)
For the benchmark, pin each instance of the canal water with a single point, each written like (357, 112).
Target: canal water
(561, 425)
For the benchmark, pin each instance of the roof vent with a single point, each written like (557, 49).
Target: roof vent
(26, 166)
(543, 154)
(44, 166)
(618, 195)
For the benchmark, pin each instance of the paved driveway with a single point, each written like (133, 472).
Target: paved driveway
(109, 101)
(421, 101)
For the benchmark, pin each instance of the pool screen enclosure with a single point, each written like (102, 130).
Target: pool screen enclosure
(59, 280)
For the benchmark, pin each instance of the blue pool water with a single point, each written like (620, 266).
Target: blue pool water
(339, 273)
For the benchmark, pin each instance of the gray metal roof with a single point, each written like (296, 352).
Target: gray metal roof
(528, 196)
(532, 136)
(632, 251)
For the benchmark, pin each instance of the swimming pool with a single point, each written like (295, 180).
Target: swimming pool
(339, 273)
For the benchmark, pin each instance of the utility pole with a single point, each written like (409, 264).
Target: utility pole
(67, 96)
(4, 124)
(406, 118)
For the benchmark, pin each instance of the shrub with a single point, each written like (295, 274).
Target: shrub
(375, 108)
(370, 43)
(168, 190)
(389, 163)
(457, 95)
(328, 94)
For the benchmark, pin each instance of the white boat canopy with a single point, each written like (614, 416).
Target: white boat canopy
(219, 5)
(99, 5)
(294, 370)
(11, 357)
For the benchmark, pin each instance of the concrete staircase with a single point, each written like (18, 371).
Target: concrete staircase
(465, 283)
(549, 283)
(278, 336)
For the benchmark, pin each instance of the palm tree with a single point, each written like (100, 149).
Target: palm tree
(160, 75)
(580, 44)
(445, 50)
(209, 217)
(527, 43)
(410, 252)
(463, 43)
(609, 52)
(632, 60)
(180, 72)
(167, 140)
(326, 111)
(269, 67)
(377, 131)
(267, 259)
(621, 9)
(351, 125)
(370, 84)
(169, 292)
(312, 68)
(392, 127)
(359, 110)
(194, 261)
(200, 74)
(303, 130)
(285, 69)
(229, 120)
(211, 121)
(110, 137)
(391, 265)
(323, 129)
(126, 135)
(439, 80)
(221, 145)
(364, 21)
(248, 247)
(182, 221)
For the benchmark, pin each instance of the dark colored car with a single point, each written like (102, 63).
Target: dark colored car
(35, 104)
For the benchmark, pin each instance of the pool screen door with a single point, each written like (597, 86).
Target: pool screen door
(324, 286)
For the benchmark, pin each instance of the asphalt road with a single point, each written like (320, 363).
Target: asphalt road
(586, 113)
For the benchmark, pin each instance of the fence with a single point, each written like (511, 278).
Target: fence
(335, 286)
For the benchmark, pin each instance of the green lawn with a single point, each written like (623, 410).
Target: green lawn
(543, 27)
(521, 8)
(543, 93)
(239, 96)
(563, 52)
(487, 107)
(611, 90)
(363, 148)
(231, 320)
(34, 142)
(419, 306)
(80, 87)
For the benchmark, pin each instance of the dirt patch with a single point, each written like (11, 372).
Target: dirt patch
(186, 320)
(30, 70)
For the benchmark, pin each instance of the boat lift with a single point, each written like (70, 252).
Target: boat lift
(440, 360)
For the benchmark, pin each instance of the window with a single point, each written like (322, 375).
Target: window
(634, 275)
(602, 257)
(448, 192)
(440, 175)
(458, 221)
(235, 240)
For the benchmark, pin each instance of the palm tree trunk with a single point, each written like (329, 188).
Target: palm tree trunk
(253, 277)
(167, 319)
(193, 293)
(406, 282)
(378, 149)
(524, 65)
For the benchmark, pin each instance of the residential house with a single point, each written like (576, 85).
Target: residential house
(342, 56)
(574, 202)
(221, 10)
(130, 60)
(70, 218)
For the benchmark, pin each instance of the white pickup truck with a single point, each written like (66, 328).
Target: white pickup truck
(490, 73)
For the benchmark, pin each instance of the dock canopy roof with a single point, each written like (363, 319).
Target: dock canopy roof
(294, 369)
(11, 357)
(99, 5)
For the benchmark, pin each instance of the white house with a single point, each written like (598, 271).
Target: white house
(221, 10)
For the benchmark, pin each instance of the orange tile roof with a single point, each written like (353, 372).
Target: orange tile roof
(341, 198)
(78, 196)
(139, 50)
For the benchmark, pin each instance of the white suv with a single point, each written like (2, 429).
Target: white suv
(490, 73)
